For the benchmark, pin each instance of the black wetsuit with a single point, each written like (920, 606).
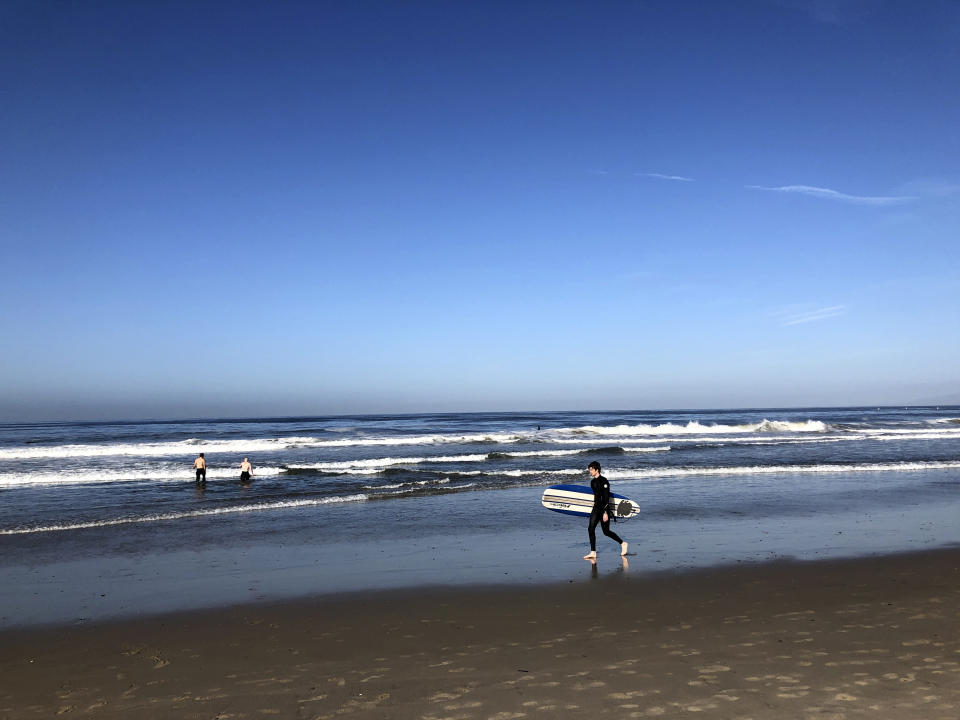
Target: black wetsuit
(601, 498)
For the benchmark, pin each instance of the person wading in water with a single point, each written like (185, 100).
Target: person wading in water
(200, 465)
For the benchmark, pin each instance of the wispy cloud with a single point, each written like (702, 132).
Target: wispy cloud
(795, 317)
(932, 187)
(832, 12)
(828, 194)
(661, 176)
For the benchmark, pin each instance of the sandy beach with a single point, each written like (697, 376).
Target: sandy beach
(875, 637)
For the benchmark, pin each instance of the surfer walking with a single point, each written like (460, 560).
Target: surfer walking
(200, 465)
(599, 515)
(246, 470)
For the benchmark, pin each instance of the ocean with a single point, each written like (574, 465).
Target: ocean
(105, 519)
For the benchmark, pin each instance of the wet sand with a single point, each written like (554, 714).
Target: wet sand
(876, 637)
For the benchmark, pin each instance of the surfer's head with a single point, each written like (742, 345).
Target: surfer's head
(594, 467)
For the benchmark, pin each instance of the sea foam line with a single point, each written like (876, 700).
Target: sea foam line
(189, 447)
(626, 474)
(256, 507)
(518, 473)
(374, 464)
(586, 435)
(386, 462)
(695, 428)
(922, 433)
(249, 446)
(563, 453)
(242, 446)
(407, 491)
(629, 442)
(419, 483)
(127, 475)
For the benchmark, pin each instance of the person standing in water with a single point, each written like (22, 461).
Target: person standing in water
(246, 470)
(599, 514)
(200, 465)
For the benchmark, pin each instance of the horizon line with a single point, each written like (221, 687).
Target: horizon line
(268, 418)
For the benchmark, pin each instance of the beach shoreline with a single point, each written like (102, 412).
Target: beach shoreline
(464, 539)
(870, 636)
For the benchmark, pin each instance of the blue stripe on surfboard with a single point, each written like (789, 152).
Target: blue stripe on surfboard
(569, 512)
(583, 489)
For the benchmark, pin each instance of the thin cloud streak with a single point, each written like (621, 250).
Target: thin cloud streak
(660, 176)
(832, 12)
(932, 188)
(828, 194)
(815, 315)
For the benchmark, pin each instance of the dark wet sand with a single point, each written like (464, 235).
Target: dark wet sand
(876, 638)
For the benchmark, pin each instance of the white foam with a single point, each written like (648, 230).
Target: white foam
(517, 473)
(256, 507)
(919, 436)
(189, 447)
(241, 446)
(163, 474)
(410, 490)
(538, 453)
(922, 433)
(436, 439)
(695, 428)
(386, 462)
(419, 483)
(627, 474)
(564, 453)
(583, 435)
(526, 473)
(627, 443)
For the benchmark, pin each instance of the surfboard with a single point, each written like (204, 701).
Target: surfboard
(578, 500)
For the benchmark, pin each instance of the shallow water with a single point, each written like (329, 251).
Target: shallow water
(104, 520)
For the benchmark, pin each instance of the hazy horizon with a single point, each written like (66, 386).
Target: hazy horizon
(952, 403)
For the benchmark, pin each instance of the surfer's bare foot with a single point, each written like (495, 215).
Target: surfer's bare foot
(623, 548)
(592, 555)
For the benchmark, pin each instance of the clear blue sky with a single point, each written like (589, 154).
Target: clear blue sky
(237, 209)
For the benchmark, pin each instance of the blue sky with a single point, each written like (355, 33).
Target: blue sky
(308, 208)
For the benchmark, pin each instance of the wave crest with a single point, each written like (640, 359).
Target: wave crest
(695, 428)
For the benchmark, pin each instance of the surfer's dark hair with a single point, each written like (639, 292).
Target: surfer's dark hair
(595, 465)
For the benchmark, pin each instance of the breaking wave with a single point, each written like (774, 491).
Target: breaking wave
(695, 428)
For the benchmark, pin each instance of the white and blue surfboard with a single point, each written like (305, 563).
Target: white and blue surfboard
(578, 500)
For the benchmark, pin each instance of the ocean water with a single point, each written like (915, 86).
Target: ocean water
(344, 503)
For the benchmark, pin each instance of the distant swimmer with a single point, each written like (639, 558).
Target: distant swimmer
(601, 499)
(246, 470)
(200, 465)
